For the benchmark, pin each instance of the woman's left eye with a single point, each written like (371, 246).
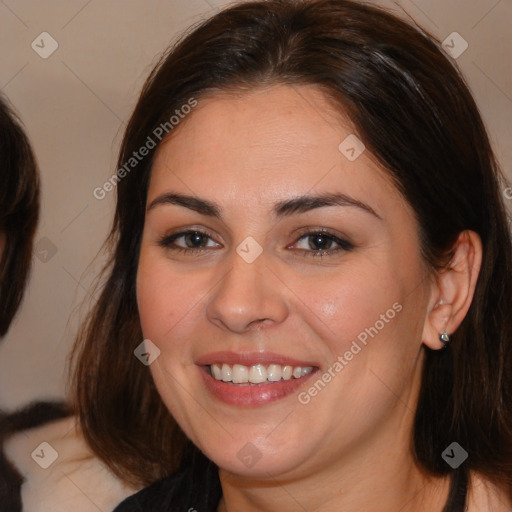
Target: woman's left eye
(320, 243)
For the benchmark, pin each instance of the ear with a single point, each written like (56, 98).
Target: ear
(453, 289)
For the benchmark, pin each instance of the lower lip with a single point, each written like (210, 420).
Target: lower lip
(251, 394)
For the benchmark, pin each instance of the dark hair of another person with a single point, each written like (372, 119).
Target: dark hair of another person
(19, 212)
(411, 108)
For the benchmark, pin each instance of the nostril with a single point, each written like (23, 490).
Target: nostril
(259, 322)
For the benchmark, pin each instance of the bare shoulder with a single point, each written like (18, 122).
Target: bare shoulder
(485, 496)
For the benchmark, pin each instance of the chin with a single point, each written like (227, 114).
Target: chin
(256, 460)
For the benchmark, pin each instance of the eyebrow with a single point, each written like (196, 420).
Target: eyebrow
(285, 208)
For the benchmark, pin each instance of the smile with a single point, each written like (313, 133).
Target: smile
(253, 379)
(258, 373)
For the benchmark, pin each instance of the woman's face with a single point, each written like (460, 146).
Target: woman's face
(268, 245)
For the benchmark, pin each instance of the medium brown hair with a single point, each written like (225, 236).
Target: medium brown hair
(19, 212)
(413, 111)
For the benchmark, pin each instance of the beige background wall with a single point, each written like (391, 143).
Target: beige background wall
(75, 104)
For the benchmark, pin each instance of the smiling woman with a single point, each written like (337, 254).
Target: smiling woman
(324, 223)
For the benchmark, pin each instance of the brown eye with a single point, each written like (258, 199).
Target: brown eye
(321, 243)
(195, 240)
(189, 240)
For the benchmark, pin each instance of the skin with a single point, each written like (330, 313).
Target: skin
(349, 447)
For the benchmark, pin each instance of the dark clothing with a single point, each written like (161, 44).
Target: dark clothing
(195, 487)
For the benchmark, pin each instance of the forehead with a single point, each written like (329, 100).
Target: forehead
(266, 144)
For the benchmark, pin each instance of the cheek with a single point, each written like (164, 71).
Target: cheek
(345, 308)
(168, 301)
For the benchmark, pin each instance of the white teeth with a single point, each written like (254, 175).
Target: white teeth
(274, 372)
(258, 373)
(240, 374)
(227, 376)
(305, 371)
(216, 371)
(287, 372)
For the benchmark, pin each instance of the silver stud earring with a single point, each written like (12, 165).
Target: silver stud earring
(445, 338)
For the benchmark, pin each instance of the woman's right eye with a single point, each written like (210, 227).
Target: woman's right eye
(188, 241)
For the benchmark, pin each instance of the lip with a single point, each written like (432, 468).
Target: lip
(251, 395)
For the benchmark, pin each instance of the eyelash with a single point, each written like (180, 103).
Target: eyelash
(344, 245)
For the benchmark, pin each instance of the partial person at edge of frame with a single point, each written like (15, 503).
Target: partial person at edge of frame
(19, 213)
(21, 429)
(19, 216)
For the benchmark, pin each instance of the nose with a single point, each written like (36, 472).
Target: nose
(249, 296)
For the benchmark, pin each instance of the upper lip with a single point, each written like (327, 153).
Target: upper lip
(250, 359)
